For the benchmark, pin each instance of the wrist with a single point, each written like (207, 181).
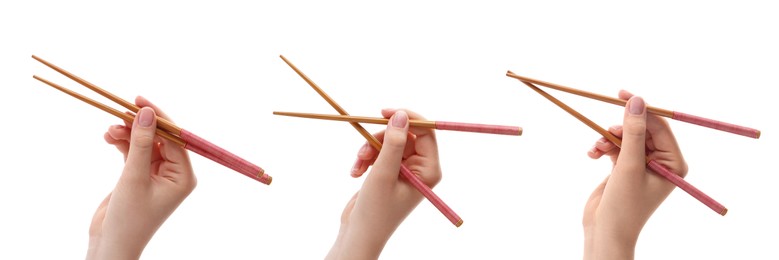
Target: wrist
(605, 244)
(358, 243)
(94, 244)
(105, 248)
(335, 251)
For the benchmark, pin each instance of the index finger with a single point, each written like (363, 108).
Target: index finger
(143, 102)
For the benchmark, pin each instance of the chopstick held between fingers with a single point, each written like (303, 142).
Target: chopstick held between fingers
(185, 138)
(688, 118)
(440, 125)
(405, 172)
(656, 167)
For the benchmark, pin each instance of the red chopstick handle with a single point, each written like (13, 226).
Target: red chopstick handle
(224, 157)
(710, 123)
(479, 128)
(430, 195)
(687, 187)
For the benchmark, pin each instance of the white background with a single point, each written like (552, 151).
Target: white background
(215, 69)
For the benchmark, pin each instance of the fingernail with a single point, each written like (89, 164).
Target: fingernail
(363, 150)
(400, 119)
(145, 117)
(356, 166)
(636, 106)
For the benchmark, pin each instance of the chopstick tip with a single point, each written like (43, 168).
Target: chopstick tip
(459, 223)
(724, 211)
(758, 135)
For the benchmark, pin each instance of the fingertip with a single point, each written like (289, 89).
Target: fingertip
(636, 106)
(624, 94)
(356, 168)
(146, 117)
(595, 153)
(591, 153)
(108, 139)
(399, 119)
(364, 151)
(388, 112)
(117, 132)
(142, 101)
(115, 127)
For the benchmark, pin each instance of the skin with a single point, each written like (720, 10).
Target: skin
(156, 178)
(384, 200)
(620, 206)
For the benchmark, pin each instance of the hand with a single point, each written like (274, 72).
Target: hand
(157, 177)
(620, 206)
(384, 200)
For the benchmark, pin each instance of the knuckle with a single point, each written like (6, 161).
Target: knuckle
(143, 140)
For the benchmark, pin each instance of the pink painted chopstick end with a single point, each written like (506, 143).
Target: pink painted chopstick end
(265, 178)
(415, 181)
(224, 157)
(722, 126)
(478, 128)
(687, 187)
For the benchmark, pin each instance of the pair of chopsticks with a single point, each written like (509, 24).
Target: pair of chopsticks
(440, 125)
(405, 172)
(676, 115)
(165, 128)
(655, 166)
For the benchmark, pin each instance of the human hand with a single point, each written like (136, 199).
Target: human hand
(157, 177)
(620, 206)
(384, 201)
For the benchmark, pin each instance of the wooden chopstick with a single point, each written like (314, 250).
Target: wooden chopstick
(705, 122)
(162, 122)
(656, 167)
(126, 117)
(440, 125)
(404, 171)
(187, 139)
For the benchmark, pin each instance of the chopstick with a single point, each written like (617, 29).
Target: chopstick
(124, 116)
(440, 125)
(655, 166)
(166, 129)
(405, 172)
(705, 122)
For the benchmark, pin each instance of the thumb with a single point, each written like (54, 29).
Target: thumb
(632, 155)
(141, 145)
(387, 165)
